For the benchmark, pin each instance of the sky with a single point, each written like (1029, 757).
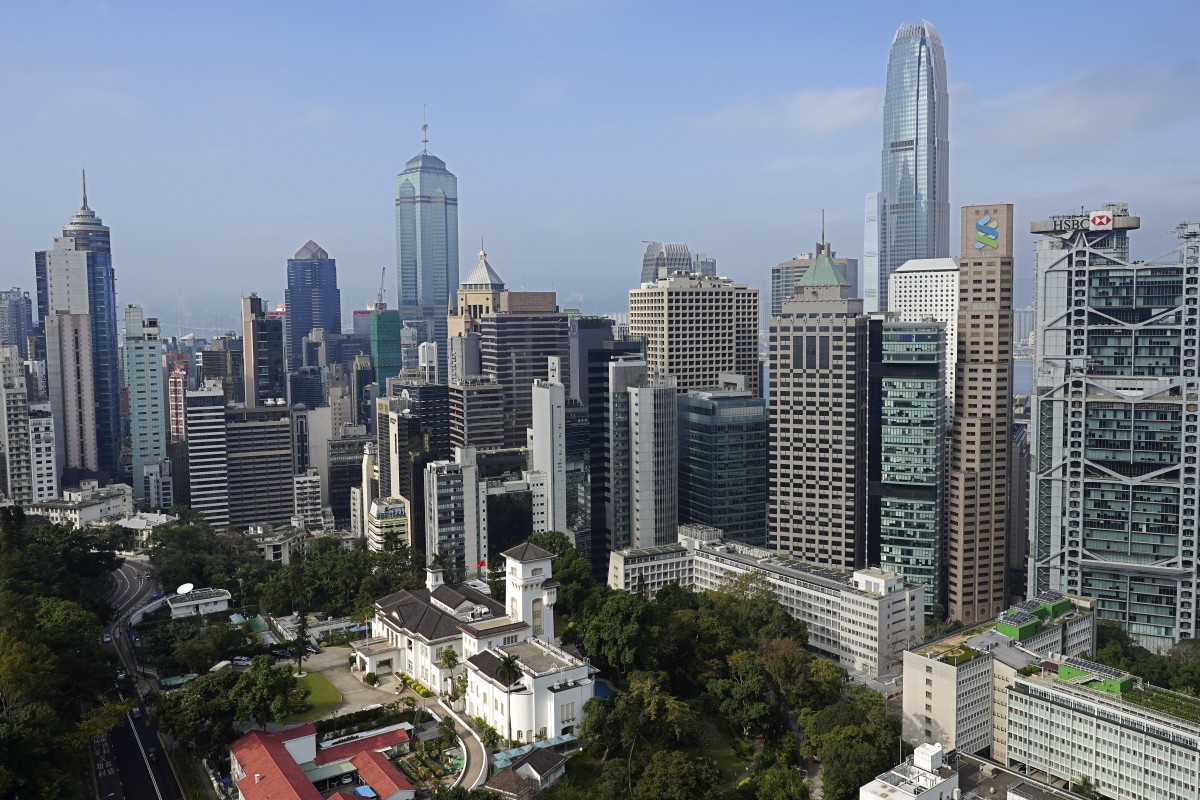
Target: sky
(219, 137)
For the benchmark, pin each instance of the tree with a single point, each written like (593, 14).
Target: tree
(620, 633)
(572, 571)
(779, 782)
(1084, 787)
(447, 733)
(742, 696)
(201, 715)
(197, 654)
(507, 672)
(264, 693)
(448, 660)
(854, 741)
(671, 775)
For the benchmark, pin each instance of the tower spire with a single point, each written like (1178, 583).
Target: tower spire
(424, 132)
(84, 171)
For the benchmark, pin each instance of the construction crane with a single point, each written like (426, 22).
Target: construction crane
(379, 304)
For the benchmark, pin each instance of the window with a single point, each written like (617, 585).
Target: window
(538, 628)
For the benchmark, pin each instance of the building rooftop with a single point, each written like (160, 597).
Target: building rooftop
(198, 596)
(527, 551)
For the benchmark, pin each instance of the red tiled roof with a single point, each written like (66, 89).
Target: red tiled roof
(378, 773)
(344, 752)
(291, 734)
(263, 754)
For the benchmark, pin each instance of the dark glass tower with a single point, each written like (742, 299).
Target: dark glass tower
(427, 244)
(913, 206)
(312, 298)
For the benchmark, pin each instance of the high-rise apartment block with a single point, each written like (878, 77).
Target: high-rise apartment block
(906, 419)
(147, 410)
(547, 472)
(642, 505)
(910, 216)
(927, 289)
(16, 320)
(785, 274)
(312, 298)
(977, 484)
(82, 367)
(427, 244)
(723, 463)
(208, 470)
(477, 414)
(696, 329)
(263, 354)
(456, 524)
(177, 386)
(818, 446)
(16, 462)
(1113, 504)
(41, 451)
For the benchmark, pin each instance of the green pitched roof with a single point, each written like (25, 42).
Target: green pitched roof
(823, 272)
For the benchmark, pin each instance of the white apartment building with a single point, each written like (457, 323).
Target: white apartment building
(43, 460)
(88, 505)
(277, 543)
(547, 441)
(955, 687)
(697, 328)
(456, 511)
(864, 619)
(208, 467)
(927, 288)
(1133, 740)
(16, 467)
(199, 601)
(306, 499)
(388, 523)
(411, 629)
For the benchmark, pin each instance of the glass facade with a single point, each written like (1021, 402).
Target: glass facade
(387, 354)
(914, 209)
(907, 416)
(312, 298)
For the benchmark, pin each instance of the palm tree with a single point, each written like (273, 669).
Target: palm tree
(507, 672)
(448, 661)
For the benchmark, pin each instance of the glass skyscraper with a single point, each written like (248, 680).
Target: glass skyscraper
(911, 216)
(427, 244)
(313, 300)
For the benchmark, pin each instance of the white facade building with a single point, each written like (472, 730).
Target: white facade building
(16, 467)
(306, 499)
(411, 629)
(208, 468)
(388, 523)
(41, 450)
(277, 543)
(864, 619)
(199, 601)
(923, 776)
(547, 474)
(927, 288)
(88, 505)
(456, 511)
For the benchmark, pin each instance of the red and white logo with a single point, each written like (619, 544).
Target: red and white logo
(1100, 221)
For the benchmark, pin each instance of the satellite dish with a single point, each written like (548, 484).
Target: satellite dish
(184, 588)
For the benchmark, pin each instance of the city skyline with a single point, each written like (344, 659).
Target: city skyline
(315, 156)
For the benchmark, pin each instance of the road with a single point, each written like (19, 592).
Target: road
(122, 757)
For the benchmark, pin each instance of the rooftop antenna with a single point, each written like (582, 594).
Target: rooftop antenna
(424, 132)
(84, 171)
(822, 226)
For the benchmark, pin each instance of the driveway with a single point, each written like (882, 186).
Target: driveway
(334, 664)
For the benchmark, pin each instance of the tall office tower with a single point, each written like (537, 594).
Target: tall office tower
(1113, 505)
(262, 359)
(785, 274)
(402, 453)
(427, 243)
(476, 408)
(671, 257)
(41, 449)
(817, 437)
(912, 212)
(147, 410)
(548, 453)
(72, 390)
(16, 460)
(427, 362)
(361, 319)
(456, 522)
(906, 423)
(261, 464)
(307, 386)
(16, 320)
(345, 455)
(981, 434)
(1023, 325)
(177, 385)
(312, 298)
(208, 468)
(643, 433)
(429, 404)
(80, 281)
(583, 335)
(723, 463)
(362, 375)
(703, 265)
(223, 359)
(927, 289)
(387, 356)
(697, 329)
(518, 332)
(1017, 539)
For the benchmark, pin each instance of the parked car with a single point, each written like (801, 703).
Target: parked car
(136, 713)
(121, 675)
(241, 661)
(312, 648)
(107, 638)
(152, 753)
(282, 653)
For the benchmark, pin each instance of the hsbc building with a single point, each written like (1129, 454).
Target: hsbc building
(1114, 481)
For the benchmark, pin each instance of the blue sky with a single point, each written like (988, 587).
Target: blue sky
(219, 137)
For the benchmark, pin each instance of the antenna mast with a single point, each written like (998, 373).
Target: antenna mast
(424, 132)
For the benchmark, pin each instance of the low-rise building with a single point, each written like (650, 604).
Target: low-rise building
(88, 505)
(923, 776)
(955, 687)
(144, 523)
(864, 619)
(198, 601)
(278, 542)
(529, 774)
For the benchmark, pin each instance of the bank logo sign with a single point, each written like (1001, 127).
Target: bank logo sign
(985, 232)
(1100, 221)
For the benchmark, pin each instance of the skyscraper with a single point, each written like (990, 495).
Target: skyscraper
(1113, 504)
(16, 320)
(912, 211)
(262, 346)
(208, 467)
(697, 328)
(80, 281)
(785, 274)
(548, 452)
(147, 410)
(674, 257)
(427, 243)
(818, 445)
(924, 289)
(977, 483)
(312, 298)
(16, 463)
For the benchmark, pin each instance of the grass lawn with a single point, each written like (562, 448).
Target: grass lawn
(323, 697)
(718, 746)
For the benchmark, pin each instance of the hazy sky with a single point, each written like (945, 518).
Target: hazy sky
(219, 137)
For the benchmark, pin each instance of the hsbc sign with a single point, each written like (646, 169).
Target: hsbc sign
(1096, 221)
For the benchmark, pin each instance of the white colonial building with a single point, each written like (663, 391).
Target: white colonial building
(411, 630)
(199, 602)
